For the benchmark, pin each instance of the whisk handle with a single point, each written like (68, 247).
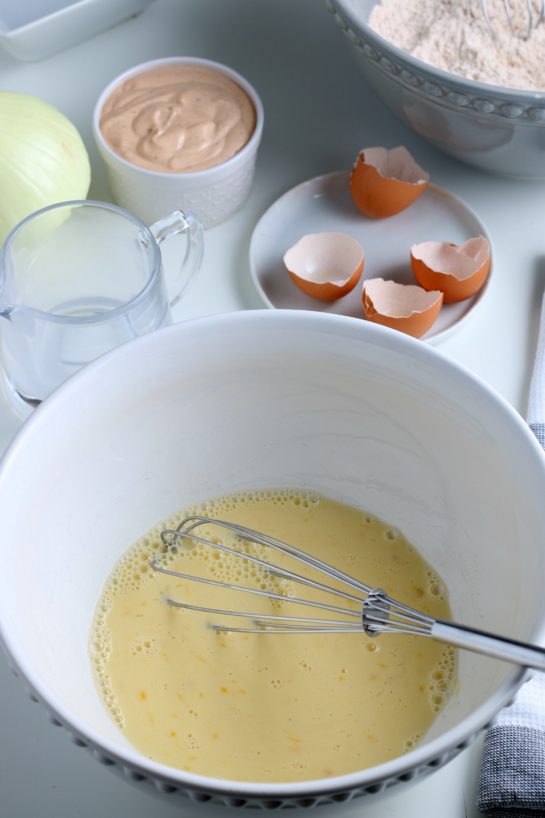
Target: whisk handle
(520, 653)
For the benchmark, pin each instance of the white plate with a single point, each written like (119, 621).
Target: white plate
(325, 204)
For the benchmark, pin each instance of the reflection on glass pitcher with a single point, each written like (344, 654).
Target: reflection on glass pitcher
(80, 278)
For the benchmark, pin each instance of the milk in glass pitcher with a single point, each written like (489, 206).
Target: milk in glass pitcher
(80, 278)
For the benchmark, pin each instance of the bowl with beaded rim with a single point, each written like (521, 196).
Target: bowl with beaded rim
(497, 129)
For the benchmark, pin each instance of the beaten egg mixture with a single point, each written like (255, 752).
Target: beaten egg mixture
(268, 707)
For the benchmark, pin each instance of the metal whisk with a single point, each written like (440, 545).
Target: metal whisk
(523, 24)
(375, 612)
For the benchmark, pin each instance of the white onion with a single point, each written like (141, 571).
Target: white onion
(42, 158)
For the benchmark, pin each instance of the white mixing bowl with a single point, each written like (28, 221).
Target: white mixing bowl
(268, 399)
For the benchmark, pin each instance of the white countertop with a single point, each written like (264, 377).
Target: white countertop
(318, 115)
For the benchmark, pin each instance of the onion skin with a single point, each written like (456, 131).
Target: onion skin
(43, 159)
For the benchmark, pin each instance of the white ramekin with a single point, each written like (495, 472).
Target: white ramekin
(212, 194)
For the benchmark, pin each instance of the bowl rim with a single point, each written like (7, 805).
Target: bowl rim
(516, 96)
(433, 753)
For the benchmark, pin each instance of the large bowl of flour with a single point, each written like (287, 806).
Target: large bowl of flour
(477, 95)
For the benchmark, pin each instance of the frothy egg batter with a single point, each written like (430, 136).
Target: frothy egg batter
(268, 707)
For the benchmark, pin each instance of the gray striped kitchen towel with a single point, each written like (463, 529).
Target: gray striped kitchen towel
(512, 783)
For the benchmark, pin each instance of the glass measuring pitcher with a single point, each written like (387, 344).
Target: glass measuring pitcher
(80, 278)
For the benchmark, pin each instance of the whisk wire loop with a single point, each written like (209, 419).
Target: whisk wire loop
(532, 14)
(256, 591)
(271, 621)
(188, 524)
(521, 27)
(377, 613)
(185, 531)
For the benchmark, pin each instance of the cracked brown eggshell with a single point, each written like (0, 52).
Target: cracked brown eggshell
(459, 271)
(384, 182)
(405, 307)
(325, 266)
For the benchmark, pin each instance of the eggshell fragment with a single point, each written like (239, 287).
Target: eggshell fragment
(385, 182)
(325, 265)
(459, 271)
(405, 307)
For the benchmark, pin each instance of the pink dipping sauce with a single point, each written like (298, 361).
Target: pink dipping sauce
(178, 118)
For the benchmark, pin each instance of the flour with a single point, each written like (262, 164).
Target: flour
(453, 35)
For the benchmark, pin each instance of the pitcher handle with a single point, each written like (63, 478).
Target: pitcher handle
(172, 225)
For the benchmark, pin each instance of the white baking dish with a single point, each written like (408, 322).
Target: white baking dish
(35, 29)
